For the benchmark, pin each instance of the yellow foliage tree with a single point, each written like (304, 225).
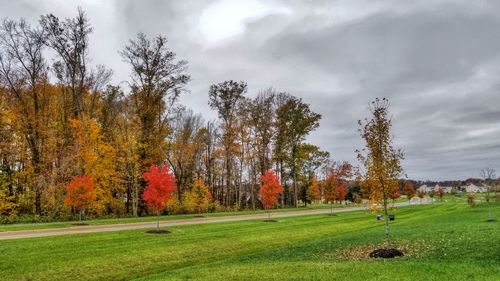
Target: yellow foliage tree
(380, 158)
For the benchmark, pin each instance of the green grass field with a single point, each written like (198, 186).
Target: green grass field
(449, 241)
(64, 224)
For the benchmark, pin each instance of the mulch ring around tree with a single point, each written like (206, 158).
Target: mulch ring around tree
(408, 250)
(158, 231)
(269, 220)
(79, 223)
(386, 253)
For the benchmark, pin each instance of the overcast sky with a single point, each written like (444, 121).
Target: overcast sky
(437, 61)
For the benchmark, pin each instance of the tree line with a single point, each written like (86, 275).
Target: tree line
(61, 118)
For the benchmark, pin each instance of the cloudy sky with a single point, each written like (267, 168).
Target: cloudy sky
(437, 61)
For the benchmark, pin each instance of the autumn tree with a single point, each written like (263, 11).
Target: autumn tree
(308, 160)
(270, 190)
(160, 186)
(23, 75)
(313, 190)
(379, 157)
(440, 193)
(157, 81)
(186, 148)
(224, 97)
(341, 193)
(394, 196)
(201, 196)
(80, 193)
(98, 158)
(338, 176)
(409, 190)
(262, 116)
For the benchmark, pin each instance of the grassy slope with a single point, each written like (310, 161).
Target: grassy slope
(456, 244)
(31, 226)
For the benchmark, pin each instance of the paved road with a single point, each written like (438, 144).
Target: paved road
(129, 226)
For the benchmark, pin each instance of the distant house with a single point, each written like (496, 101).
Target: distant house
(446, 189)
(472, 188)
(425, 188)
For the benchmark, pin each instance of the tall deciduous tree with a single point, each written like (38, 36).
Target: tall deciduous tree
(69, 38)
(225, 97)
(295, 120)
(379, 157)
(157, 80)
(23, 75)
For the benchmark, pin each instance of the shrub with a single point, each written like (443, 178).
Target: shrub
(174, 207)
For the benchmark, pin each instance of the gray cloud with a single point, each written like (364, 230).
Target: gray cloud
(437, 61)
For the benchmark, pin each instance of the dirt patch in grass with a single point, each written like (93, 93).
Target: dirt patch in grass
(79, 223)
(198, 216)
(158, 231)
(269, 220)
(361, 252)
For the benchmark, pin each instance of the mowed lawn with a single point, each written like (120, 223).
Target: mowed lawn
(449, 241)
(65, 224)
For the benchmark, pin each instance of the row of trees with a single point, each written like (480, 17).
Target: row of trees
(65, 119)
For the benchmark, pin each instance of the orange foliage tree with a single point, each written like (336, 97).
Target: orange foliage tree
(160, 185)
(80, 193)
(313, 190)
(270, 189)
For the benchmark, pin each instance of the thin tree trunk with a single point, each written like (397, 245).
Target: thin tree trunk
(158, 222)
(387, 233)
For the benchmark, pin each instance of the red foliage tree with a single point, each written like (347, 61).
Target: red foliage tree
(440, 193)
(338, 176)
(80, 193)
(159, 189)
(270, 189)
(341, 193)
